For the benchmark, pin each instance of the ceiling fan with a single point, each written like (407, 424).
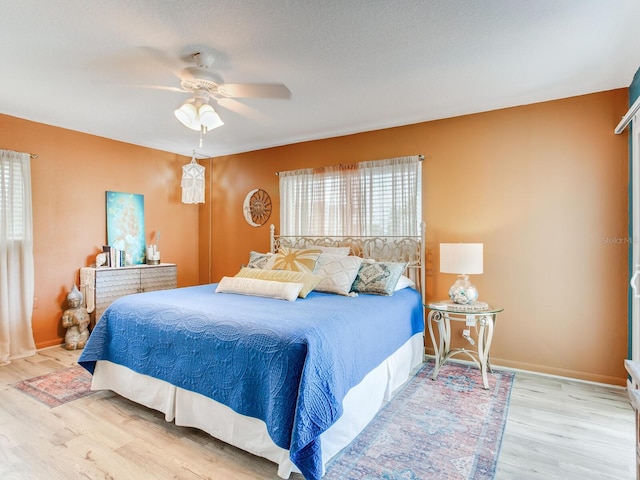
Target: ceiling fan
(196, 113)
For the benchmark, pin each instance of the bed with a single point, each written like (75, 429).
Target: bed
(292, 381)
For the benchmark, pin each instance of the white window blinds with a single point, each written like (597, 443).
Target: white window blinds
(12, 197)
(374, 198)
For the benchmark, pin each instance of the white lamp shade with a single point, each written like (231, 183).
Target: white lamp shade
(208, 117)
(461, 258)
(188, 116)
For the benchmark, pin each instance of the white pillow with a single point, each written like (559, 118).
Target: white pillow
(307, 279)
(259, 288)
(404, 282)
(337, 272)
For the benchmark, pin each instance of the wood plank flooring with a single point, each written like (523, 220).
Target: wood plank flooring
(556, 429)
(564, 429)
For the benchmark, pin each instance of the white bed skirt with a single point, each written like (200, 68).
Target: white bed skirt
(191, 409)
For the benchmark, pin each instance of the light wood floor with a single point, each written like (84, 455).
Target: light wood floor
(556, 429)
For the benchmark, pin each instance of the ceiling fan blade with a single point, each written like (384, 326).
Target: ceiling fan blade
(151, 87)
(241, 109)
(254, 90)
(161, 87)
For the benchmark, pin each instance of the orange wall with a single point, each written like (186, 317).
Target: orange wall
(69, 180)
(543, 186)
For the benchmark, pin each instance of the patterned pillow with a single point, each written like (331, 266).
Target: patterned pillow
(379, 278)
(296, 259)
(308, 280)
(263, 261)
(337, 273)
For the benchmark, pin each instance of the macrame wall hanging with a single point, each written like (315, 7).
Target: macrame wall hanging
(192, 182)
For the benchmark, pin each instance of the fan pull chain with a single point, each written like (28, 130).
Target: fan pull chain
(203, 130)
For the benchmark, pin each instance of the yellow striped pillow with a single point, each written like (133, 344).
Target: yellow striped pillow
(307, 280)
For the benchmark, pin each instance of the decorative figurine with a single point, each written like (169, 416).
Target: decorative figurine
(76, 320)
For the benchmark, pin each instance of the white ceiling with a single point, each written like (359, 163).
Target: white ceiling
(351, 65)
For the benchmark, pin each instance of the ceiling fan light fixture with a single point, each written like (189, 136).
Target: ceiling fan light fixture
(209, 117)
(198, 115)
(188, 115)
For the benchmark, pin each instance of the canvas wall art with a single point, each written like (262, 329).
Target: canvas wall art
(125, 224)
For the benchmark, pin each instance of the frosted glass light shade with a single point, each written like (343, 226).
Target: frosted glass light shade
(461, 258)
(208, 117)
(188, 116)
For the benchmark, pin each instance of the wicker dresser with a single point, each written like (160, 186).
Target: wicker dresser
(101, 286)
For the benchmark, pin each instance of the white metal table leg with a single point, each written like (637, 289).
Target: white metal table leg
(484, 345)
(441, 347)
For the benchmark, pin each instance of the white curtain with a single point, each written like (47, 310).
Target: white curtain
(16, 257)
(374, 198)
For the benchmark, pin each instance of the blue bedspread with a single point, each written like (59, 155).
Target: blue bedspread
(287, 363)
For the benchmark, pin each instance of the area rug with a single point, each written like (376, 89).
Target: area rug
(450, 428)
(59, 387)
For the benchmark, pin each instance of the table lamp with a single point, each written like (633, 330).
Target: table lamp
(462, 259)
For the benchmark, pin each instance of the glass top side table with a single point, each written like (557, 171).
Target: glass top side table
(479, 315)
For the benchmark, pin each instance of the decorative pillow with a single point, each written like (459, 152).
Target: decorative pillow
(261, 260)
(308, 280)
(379, 278)
(296, 259)
(259, 288)
(337, 273)
(340, 251)
(404, 282)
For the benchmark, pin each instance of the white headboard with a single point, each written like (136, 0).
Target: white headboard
(409, 250)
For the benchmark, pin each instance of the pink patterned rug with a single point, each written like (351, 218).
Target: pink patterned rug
(58, 387)
(450, 428)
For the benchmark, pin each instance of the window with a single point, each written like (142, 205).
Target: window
(16, 257)
(376, 198)
(12, 216)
